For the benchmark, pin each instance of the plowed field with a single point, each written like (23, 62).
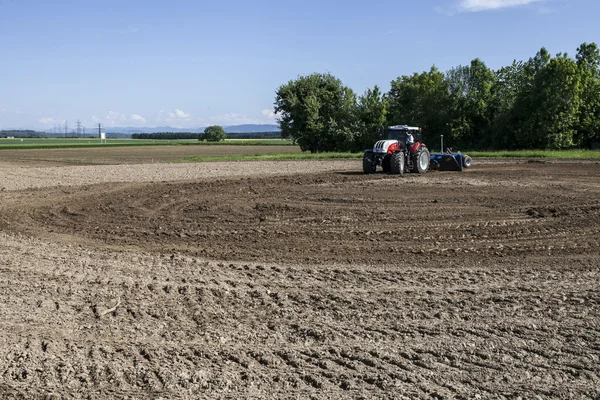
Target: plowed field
(304, 280)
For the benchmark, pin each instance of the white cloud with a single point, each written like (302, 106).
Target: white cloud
(117, 118)
(266, 116)
(114, 118)
(270, 115)
(137, 118)
(163, 115)
(47, 120)
(485, 5)
(4, 110)
(231, 119)
(174, 118)
(179, 114)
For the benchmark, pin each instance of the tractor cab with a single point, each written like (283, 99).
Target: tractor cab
(400, 133)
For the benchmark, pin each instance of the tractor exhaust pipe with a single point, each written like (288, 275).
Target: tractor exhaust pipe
(442, 144)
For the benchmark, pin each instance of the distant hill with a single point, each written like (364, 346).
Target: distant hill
(130, 129)
(247, 128)
(251, 128)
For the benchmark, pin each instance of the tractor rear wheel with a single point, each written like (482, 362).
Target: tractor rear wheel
(369, 166)
(421, 160)
(467, 161)
(397, 163)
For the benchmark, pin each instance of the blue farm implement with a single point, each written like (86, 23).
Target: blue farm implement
(449, 161)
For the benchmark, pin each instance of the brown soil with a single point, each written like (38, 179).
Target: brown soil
(126, 155)
(482, 284)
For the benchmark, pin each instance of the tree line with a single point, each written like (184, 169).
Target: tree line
(165, 135)
(545, 102)
(22, 133)
(215, 136)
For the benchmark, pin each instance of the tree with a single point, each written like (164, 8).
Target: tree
(371, 113)
(508, 84)
(423, 100)
(474, 99)
(317, 112)
(213, 133)
(588, 56)
(588, 126)
(548, 105)
(560, 101)
(544, 102)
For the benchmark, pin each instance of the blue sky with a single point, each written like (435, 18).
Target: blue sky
(188, 63)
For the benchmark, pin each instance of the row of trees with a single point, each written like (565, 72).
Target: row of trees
(22, 133)
(211, 134)
(165, 135)
(545, 102)
(201, 136)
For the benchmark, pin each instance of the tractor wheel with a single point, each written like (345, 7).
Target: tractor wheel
(369, 166)
(466, 161)
(387, 164)
(397, 163)
(421, 160)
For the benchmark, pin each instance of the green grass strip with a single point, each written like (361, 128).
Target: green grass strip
(272, 157)
(564, 154)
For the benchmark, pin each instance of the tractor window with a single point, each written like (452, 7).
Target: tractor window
(397, 135)
(401, 135)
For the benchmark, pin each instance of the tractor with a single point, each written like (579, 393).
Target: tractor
(402, 152)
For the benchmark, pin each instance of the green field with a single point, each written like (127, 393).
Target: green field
(6, 144)
(66, 143)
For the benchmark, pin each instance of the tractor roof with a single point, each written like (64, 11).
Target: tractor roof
(403, 128)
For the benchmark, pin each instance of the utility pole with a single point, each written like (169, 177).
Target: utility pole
(66, 128)
(78, 128)
(101, 134)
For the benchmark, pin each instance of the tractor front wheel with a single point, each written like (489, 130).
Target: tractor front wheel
(397, 163)
(369, 166)
(421, 160)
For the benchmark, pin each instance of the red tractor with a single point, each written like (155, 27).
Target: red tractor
(401, 152)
